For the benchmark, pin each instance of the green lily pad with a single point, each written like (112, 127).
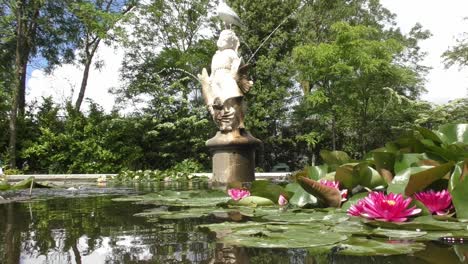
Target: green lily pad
(317, 172)
(385, 164)
(353, 200)
(300, 198)
(423, 223)
(268, 190)
(354, 174)
(277, 236)
(401, 179)
(358, 246)
(201, 198)
(419, 181)
(252, 201)
(398, 234)
(408, 160)
(334, 158)
(352, 227)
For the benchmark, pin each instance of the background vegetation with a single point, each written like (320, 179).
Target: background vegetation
(334, 74)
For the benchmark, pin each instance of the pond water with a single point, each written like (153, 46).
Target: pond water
(86, 226)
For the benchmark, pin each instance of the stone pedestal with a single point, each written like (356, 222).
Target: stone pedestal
(233, 156)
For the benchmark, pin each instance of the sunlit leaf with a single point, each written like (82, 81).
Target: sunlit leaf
(358, 246)
(420, 180)
(300, 198)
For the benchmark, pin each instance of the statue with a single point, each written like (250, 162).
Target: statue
(224, 90)
(233, 147)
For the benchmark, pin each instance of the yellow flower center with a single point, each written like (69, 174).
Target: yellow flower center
(390, 202)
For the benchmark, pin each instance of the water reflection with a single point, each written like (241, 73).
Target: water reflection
(97, 230)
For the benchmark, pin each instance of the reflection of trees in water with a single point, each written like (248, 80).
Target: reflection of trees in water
(95, 230)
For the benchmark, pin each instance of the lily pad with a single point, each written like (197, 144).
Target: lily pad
(252, 201)
(201, 198)
(300, 198)
(401, 179)
(277, 236)
(424, 223)
(419, 181)
(358, 246)
(268, 190)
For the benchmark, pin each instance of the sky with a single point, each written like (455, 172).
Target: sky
(443, 18)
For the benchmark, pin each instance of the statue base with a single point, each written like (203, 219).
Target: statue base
(233, 156)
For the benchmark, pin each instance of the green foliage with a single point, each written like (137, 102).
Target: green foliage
(179, 172)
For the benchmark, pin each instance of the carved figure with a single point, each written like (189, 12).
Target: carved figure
(224, 90)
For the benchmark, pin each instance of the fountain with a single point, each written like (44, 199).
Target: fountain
(233, 147)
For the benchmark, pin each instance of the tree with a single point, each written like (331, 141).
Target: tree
(457, 54)
(98, 21)
(351, 78)
(166, 50)
(40, 27)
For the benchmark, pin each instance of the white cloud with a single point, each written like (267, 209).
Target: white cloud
(64, 82)
(445, 21)
(443, 18)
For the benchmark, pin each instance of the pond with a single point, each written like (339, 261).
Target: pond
(89, 226)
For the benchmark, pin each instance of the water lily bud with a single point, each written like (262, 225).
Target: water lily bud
(282, 201)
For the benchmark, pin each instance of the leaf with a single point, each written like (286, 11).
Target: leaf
(269, 235)
(269, 190)
(368, 176)
(300, 198)
(353, 200)
(408, 160)
(452, 133)
(252, 201)
(317, 172)
(26, 184)
(426, 133)
(352, 175)
(400, 181)
(385, 163)
(358, 246)
(424, 223)
(459, 190)
(329, 195)
(419, 181)
(344, 174)
(334, 158)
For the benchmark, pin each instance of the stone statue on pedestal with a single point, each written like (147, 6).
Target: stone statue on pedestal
(223, 91)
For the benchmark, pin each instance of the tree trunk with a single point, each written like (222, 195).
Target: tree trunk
(94, 44)
(334, 132)
(84, 83)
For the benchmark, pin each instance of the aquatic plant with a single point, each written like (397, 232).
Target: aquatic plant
(439, 203)
(282, 201)
(336, 185)
(382, 207)
(237, 194)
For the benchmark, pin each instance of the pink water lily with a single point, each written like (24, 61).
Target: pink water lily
(237, 194)
(438, 203)
(282, 201)
(381, 207)
(336, 185)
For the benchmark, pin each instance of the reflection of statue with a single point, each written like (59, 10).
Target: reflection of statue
(224, 90)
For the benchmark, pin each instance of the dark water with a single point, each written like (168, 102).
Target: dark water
(92, 229)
